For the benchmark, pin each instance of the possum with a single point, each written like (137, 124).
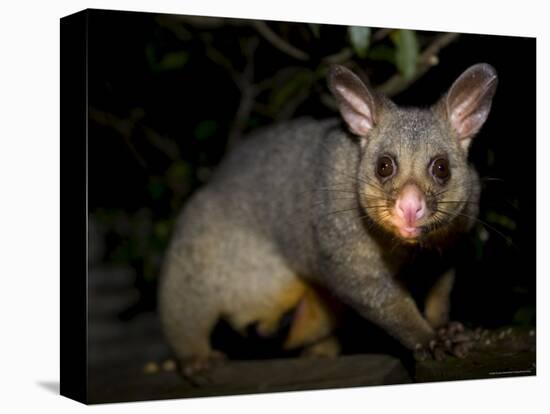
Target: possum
(335, 205)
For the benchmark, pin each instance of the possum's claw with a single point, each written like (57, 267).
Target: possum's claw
(197, 369)
(451, 339)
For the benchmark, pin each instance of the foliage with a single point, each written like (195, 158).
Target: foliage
(192, 87)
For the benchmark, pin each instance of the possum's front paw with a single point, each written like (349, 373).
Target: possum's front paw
(197, 369)
(451, 339)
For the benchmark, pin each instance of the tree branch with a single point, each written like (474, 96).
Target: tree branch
(380, 34)
(248, 94)
(278, 42)
(339, 57)
(428, 58)
(127, 127)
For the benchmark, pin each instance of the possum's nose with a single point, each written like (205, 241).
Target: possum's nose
(411, 204)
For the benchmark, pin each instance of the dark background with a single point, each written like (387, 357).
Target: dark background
(169, 95)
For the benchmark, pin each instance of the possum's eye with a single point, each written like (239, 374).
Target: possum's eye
(385, 167)
(440, 169)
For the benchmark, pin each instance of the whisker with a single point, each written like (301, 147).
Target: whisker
(335, 190)
(367, 197)
(323, 202)
(338, 212)
(352, 208)
(492, 179)
(438, 220)
(490, 227)
(357, 178)
(447, 189)
(457, 202)
(338, 190)
(372, 184)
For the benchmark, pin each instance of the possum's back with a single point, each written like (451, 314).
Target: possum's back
(266, 185)
(273, 172)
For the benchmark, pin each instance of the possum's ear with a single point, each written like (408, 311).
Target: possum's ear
(355, 101)
(468, 102)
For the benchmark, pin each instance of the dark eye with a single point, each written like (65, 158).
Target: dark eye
(440, 169)
(385, 167)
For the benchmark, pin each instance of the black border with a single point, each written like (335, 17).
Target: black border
(73, 206)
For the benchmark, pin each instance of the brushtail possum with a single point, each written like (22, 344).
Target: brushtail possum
(342, 204)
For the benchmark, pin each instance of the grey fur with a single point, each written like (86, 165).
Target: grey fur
(274, 212)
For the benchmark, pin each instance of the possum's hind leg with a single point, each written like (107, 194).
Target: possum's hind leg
(437, 303)
(188, 320)
(314, 321)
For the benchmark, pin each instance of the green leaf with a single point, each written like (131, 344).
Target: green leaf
(383, 53)
(490, 158)
(150, 54)
(162, 229)
(360, 39)
(406, 53)
(178, 178)
(173, 60)
(315, 29)
(297, 83)
(179, 171)
(168, 61)
(479, 242)
(156, 187)
(501, 220)
(525, 316)
(205, 129)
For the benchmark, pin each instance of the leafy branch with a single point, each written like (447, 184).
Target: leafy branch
(427, 59)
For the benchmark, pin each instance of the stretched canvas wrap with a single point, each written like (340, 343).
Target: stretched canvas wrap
(256, 206)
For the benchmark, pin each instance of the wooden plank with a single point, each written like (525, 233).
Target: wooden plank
(131, 383)
(499, 353)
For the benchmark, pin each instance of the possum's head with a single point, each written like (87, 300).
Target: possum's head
(414, 177)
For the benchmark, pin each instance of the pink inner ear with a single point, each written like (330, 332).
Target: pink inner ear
(459, 117)
(355, 101)
(355, 111)
(469, 100)
(358, 124)
(466, 126)
(467, 118)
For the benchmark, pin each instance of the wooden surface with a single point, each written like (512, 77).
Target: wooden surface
(499, 353)
(129, 360)
(129, 383)
(143, 378)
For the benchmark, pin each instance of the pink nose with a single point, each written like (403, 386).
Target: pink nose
(411, 204)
